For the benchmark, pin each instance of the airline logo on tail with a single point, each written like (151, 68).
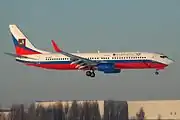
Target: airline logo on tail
(22, 42)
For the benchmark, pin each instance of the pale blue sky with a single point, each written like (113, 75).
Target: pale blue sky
(107, 25)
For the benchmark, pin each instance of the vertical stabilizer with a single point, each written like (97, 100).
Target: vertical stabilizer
(22, 44)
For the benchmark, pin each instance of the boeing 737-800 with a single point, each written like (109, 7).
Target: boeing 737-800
(112, 62)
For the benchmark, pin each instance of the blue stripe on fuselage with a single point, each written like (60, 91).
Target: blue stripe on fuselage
(68, 62)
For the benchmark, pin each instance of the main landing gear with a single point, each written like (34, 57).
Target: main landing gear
(90, 73)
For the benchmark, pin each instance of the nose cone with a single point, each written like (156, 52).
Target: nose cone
(170, 61)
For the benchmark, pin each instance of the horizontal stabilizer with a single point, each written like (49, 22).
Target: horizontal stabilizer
(20, 56)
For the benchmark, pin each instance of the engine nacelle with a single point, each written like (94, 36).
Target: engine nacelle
(105, 66)
(108, 68)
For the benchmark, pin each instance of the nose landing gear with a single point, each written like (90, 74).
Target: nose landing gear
(157, 72)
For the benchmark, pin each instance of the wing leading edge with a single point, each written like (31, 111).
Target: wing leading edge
(80, 61)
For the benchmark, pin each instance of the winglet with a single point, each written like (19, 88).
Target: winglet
(55, 46)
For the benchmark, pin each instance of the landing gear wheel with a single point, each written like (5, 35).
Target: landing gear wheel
(156, 73)
(88, 73)
(92, 74)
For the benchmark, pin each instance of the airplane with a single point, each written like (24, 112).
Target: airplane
(107, 62)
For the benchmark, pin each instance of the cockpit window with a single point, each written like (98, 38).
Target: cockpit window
(163, 56)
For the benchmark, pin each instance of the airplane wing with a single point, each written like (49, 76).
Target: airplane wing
(20, 56)
(81, 61)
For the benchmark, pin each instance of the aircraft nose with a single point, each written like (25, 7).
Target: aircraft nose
(170, 61)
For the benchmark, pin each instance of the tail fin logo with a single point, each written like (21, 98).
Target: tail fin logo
(22, 42)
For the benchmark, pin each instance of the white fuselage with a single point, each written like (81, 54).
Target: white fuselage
(131, 59)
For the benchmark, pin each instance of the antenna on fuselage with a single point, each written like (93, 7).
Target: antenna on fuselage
(77, 51)
(98, 51)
